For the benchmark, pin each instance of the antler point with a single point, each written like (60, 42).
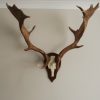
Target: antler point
(7, 4)
(32, 29)
(97, 6)
(26, 49)
(79, 46)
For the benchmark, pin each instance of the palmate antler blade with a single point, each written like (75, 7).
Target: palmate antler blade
(20, 16)
(79, 32)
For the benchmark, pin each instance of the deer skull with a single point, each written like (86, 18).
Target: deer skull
(53, 66)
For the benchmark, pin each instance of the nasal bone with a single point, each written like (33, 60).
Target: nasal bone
(52, 65)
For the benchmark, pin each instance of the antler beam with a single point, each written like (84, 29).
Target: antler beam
(20, 16)
(79, 32)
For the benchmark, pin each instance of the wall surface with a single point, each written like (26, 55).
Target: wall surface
(51, 4)
(20, 76)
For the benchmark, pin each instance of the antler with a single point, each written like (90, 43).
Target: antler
(20, 16)
(79, 32)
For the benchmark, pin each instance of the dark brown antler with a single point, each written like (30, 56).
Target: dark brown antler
(79, 32)
(20, 16)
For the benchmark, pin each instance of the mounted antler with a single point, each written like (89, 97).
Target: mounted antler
(20, 16)
(52, 61)
(79, 32)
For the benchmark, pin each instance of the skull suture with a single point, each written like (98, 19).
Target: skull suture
(53, 66)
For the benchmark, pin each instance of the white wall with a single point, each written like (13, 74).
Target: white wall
(79, 76)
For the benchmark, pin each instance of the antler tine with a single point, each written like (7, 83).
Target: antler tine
(20, 16)
(79, 32)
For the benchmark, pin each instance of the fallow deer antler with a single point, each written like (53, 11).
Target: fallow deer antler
(79, 32)
(52, 61)
(20, 16)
